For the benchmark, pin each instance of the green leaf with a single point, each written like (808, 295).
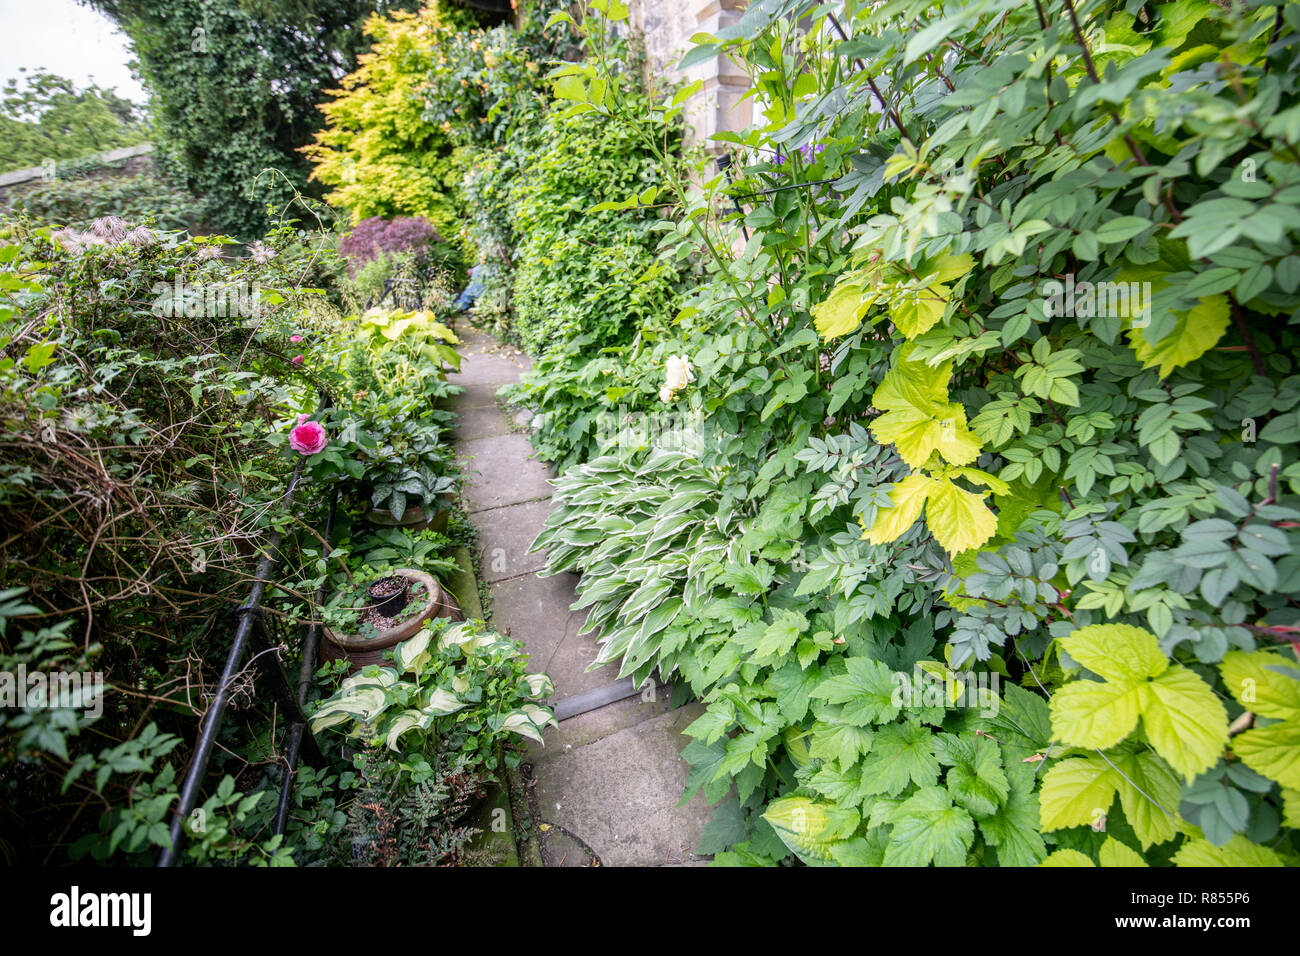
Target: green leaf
(975, 778)
(928, 828)
(866, 690)
(901, 754)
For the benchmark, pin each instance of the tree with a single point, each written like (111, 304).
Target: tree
(46, 117)
(234, 88)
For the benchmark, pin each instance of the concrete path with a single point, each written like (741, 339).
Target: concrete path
(608, 780)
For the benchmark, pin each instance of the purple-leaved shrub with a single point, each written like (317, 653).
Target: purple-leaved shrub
(375, 237)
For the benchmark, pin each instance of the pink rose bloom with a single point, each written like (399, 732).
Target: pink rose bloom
(308, 438)
(296, 360)
(295, 338)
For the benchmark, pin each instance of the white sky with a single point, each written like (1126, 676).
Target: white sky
(65, 38)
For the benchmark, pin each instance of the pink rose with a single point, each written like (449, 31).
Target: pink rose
(308, 438)
(296, 360)
(295, 338)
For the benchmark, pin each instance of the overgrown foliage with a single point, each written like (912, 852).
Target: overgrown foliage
(971, 559)
(378, 152)
(234, 86)
(48, 118)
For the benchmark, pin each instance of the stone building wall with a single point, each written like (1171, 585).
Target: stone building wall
(668, 26)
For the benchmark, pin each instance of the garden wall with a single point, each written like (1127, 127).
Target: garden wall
(668, 26)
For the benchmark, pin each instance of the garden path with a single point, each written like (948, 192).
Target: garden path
(608, 779)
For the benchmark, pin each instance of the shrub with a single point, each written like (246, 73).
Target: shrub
(964, 573)
(377, 151)
(79, 202)
(375, 237)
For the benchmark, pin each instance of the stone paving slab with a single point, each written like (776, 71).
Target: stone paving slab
(477, 396)
(515, 476)
(487, 370)
(480, 421)
(609, 779)
(536, 611)
(620, 794)
(587, 728)
(504, 535)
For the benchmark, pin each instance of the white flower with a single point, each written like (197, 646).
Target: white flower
(109, 228)
(69, 239)
(666, 394)
(260, 253)
(141, 236)
(678, 372)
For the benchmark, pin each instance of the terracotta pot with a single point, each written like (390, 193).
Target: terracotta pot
(361, 650)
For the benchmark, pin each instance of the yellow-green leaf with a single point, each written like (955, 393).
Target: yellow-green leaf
(1087, 713)
(1117, 651)
(841, 312)
(1273, 751)
(1185, 721)
(1114, 853)
(1251, 679)
(1194, 334)
(958, 519)
(1236, 852)
(1067, 858)
(1076, 792)
(907, 498)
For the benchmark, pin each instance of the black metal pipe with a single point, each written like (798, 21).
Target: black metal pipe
(723, 163)
(310, 644)
(212, 719)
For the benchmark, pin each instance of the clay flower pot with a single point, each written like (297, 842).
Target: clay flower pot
(361, 649)
(415, 517)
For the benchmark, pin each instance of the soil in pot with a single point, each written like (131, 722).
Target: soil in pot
(387, 598)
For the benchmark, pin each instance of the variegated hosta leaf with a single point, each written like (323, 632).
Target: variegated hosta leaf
(411, 655)
(539, 685)
(442, 702)
(520, 723)
(539, 715)
(360, 703)
(409, 720)
(457, 634)
(810, 828)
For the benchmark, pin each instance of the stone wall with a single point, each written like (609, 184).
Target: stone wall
(126, 161)
(668, 26)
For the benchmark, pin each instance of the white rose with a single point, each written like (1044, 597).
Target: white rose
(677, 372)
(666, 394)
